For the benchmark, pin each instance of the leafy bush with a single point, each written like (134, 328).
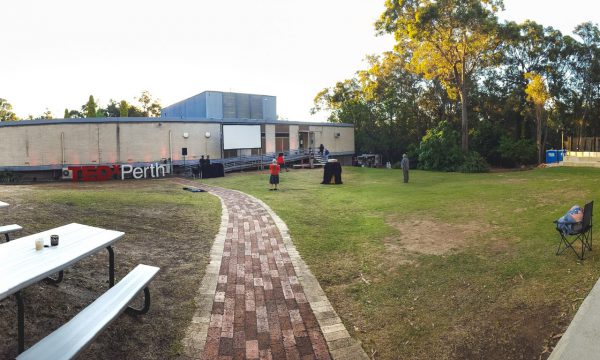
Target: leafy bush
(486, 140)
(517, 152)
(439, 149)
(474, 163)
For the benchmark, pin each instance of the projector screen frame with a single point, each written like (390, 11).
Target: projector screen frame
(241, 142)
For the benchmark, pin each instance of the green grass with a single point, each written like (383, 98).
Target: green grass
(501, 293)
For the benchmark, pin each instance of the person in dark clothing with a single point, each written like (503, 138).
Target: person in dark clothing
(404, 165)
(321, 148)
(201, 164)
(207, 162)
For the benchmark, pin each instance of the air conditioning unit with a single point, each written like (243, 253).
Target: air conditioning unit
(67, 174)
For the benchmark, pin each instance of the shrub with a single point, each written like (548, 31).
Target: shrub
(517, 152)
(439, 149)
(474, 163)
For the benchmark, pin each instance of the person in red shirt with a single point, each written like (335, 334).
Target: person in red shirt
(281, 162)
(274, 171)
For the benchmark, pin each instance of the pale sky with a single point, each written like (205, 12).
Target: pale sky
(57, 53)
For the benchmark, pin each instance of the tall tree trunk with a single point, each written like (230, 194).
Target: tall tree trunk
(464, 130)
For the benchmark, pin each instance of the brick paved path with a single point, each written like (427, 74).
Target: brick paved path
(252, 301)
(252, 304)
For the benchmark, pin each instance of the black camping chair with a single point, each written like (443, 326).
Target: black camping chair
(582, 231)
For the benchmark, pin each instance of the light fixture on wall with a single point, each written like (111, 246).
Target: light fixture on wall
(337, 135)
(186, 135)
(207, 135)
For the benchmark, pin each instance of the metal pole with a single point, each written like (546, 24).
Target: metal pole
(171, 151)
(111, 266)
(20, 322)
(62, 148)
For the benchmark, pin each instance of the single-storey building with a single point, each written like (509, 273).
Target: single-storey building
(221, 125)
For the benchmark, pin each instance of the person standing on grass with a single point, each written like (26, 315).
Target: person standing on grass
(321, 148)
(404, 166)
(281, 162)
(274, 174)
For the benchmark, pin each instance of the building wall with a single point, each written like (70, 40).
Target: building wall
(294, 141)
(106, 143)
(270, 138)
(127, 142)
(336, 139)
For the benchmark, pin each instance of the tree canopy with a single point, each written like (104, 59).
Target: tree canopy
(509, 90)
(447, 40)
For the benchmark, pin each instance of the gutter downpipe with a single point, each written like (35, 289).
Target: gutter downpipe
(171, 151)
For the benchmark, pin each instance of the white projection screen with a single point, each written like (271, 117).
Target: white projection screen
(241, 137)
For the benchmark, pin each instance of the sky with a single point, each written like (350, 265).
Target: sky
(54, 54)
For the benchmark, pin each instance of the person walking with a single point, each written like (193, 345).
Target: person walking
(281, 162)
(405, 167)
(274, 174)
(321, 148)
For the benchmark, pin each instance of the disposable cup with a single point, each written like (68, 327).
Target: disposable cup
(39, 244)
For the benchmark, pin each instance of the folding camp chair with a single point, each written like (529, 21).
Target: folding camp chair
(581, 231)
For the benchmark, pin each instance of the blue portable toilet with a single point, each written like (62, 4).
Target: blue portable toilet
(561, 155)
(551, 156)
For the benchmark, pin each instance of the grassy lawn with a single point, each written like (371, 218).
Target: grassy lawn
(164, 226)
(449, 266)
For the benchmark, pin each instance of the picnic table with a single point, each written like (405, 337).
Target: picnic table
(22, 265)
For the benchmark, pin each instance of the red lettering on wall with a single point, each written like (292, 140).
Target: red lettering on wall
(94, 173)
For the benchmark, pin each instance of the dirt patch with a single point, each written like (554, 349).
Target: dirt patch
(425, 236)
(164, 226)
(520, 331)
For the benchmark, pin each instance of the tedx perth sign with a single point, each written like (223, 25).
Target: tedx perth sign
(116, 171)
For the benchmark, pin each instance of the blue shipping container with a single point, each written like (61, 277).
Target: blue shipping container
(551, 156)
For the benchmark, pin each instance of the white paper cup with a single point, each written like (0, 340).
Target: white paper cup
(39, 244)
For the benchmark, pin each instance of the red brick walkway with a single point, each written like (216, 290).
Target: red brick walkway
(259, 309)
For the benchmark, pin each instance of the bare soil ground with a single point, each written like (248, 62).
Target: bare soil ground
(164, 226)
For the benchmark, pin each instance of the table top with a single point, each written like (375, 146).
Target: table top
(3, 204)
(21, 265)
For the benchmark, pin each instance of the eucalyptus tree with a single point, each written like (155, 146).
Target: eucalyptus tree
(537, 93)
(385, 104)
(6, 113)
(587, 78)
(90, 108)
(448, 40)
